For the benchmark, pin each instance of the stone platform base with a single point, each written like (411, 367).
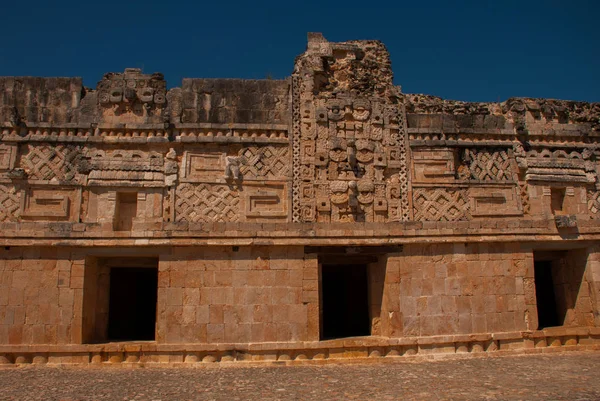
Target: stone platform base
(342, 350)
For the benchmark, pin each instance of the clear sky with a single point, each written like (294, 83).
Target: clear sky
(466, 50)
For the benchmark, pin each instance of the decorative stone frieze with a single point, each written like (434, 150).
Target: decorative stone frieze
(224, 217)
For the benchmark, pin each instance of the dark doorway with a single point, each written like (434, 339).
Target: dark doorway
(345, 301)
(544, 294)
(132, 304)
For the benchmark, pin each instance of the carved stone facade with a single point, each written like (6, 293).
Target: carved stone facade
(249, 207)
(350, 141)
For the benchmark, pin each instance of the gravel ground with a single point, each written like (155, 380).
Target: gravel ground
(567, 376)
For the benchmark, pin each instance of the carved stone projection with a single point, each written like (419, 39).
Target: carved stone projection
(557, 165)
(133, 97)
(110, 166)
(349, 135)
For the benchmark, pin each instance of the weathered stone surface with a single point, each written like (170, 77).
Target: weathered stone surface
(240, 193)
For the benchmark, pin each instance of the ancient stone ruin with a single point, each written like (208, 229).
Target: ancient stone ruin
(326, 215)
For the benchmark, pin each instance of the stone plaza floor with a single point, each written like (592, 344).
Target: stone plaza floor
(559, 376)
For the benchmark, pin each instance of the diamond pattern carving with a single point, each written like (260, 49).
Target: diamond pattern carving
(440, 205)
(9, 203)
(594, 203)
(268, 162)
(206, 203)
(490, 165)
(524, 197)
(47, 162)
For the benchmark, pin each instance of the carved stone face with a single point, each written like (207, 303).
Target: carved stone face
(361, 109)
(338, 150)
(339, 192)
(364, 151)
(335, 111)
(365, 192)
(338, 155)
(365, 197)
(132, 87)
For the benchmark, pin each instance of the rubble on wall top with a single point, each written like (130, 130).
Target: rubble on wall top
(562, 111)
(339, 70)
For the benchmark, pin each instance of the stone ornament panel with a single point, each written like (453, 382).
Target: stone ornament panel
(203, 203)
(488, 164)
(297, 196)
(495, 201)
(265, 162)
(8, 155)
(433, 165)
(348, 136)
(266, 203)
(51, 162)
(10, 202)
(593, 202)
(441, 204)
(524, 193)
(49, 203)
(216, 163)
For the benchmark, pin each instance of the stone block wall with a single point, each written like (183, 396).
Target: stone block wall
(450, 289)
(222, 101)
(220, 295)
(41, 292)
(40, 100)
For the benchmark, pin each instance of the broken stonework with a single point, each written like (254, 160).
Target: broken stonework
(325, 215)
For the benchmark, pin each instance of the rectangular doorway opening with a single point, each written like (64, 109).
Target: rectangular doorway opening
(345, 301)
(120, 299)
(562, 293)
(132, 305)
(544, 295)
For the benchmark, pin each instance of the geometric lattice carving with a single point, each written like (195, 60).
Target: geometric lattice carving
(46, 162)
(403, 165)
(440, 205)
(524, 197)
(9, 203)
(296, 132)
(266, 161)
(594, 203)
(488, 165)
(206, 203)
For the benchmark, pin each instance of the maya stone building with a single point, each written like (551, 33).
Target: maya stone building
(322, 216)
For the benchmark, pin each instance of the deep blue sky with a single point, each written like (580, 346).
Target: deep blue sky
(466, 50)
